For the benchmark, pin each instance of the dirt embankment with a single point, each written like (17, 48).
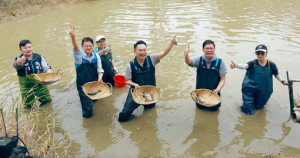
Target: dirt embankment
(13, 9)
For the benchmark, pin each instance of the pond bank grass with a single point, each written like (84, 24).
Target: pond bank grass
(38, 129)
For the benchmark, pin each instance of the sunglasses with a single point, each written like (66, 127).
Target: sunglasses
(260, 53)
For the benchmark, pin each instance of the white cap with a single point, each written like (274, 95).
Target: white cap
(99, 37)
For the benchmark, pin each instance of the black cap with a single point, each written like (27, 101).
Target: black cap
(261, 47)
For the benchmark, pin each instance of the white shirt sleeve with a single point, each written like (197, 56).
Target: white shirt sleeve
(279, 78)
(44, 64)
(128, 73)
(99, 65)
(223, 69)
(154, 59)
(242, 66)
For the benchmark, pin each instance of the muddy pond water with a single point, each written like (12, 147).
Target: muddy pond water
(175, 127)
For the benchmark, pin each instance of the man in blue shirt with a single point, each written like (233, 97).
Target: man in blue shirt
(88, 69)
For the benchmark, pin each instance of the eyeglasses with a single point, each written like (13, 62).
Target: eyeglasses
(260, 53)
(209, 48)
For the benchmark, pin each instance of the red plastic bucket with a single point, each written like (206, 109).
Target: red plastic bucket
(119, 81)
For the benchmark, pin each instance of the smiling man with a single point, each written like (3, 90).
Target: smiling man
(141, 71)
(211, 70)
(26, 64)
(88, 68)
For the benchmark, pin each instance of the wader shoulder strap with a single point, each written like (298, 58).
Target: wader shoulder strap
(134, 64)
(147, 60)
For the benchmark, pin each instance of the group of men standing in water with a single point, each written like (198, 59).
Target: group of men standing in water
(97, 65)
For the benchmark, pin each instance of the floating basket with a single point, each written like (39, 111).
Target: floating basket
(97, 90)
(146, 95)
(205, 97)
(48, 78)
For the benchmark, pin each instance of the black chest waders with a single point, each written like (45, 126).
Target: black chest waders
(208, 78)
(143, 76)
(109, 74)
(257, 88)
(86, 72)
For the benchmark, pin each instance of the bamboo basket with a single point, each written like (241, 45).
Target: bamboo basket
(48, 78)
(146, 95)
(97, 90)
(205, 97)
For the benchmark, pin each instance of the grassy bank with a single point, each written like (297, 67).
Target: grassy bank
(14, 9)
(38, 129)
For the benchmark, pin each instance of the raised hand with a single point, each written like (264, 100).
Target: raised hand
(21, 60)
(186, 51)
(72, 35)
(232, 65)
(107, 50)
(174, 40)
(72, 31)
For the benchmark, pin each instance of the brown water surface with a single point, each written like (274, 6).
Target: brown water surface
(175, 127)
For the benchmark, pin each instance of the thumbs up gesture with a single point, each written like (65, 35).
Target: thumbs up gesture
(232, 65)
(187, 50)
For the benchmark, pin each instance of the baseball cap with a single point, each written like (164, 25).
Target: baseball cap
(261, 47)
(99, 37)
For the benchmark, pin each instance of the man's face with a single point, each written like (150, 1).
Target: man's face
(101, 43)
(209, 51)
(27, 50)
(261, 55)
(141, 51)
(87, 47)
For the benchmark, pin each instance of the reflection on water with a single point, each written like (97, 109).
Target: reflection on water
(175, 127)
(205, 135)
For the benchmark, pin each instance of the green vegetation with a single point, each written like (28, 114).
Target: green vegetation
(38, 128)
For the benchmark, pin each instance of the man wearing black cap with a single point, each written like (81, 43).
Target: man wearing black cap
(257, 85)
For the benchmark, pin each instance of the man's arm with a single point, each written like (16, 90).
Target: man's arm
(220, 85)
(72, 35)
(128, 77)
(19, 62)
(240, 66)
(99, 68)
(130, 83)
(168, 48)
(279, 78)
(100, 75)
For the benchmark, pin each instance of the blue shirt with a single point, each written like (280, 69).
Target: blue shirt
(82, 55)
